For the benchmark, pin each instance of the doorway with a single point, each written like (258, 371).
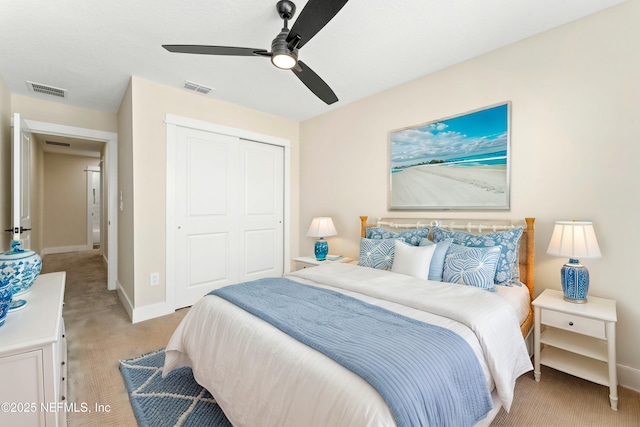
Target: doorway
(94, 207)
(110, 139)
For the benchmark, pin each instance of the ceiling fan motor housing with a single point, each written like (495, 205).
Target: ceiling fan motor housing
(279, 46)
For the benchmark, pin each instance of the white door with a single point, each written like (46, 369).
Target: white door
(94, 207)
(206, 213)
(261, 210)
(229, 212)
(20, 183)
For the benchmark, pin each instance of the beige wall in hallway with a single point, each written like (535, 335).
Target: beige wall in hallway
(65, 199)
(125, 189)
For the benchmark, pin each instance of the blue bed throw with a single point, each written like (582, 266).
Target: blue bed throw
(428, 375)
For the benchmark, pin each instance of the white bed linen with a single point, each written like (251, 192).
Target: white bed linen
(519, 298)
(262, 377)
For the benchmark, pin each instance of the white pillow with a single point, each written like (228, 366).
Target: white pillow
(412, 260)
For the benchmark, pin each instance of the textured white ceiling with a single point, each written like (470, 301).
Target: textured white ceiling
(91, 47)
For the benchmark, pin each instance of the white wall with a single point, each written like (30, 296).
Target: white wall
(575, 123)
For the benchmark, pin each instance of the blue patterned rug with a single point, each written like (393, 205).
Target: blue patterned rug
(177, 400)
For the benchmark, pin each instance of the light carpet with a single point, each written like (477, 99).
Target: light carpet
(175, 401)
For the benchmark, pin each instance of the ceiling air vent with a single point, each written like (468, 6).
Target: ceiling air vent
(47, 90)
(196, 87)
(60, 144)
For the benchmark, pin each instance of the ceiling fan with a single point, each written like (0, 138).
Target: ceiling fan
(284, 48)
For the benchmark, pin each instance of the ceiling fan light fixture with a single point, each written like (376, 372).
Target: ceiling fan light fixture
(285, 60)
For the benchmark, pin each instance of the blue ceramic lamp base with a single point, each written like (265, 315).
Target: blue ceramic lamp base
(575, 281)
(321, 249)
(17, 304)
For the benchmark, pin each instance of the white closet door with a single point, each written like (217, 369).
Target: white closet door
(261, 210)
(206, 212)
(229, 196)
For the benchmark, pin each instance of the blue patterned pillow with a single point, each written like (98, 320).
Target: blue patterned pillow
(411, 237)
(437, 261)
(377, 253)
(507, 272)
(471, 266)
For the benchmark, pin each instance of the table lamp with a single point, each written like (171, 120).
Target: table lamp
(321, 227)
(574, 239)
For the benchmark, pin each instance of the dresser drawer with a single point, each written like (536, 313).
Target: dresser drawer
(573, 323)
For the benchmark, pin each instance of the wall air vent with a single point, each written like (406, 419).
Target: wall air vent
(46, 89)
(197, 87)
(60, 144)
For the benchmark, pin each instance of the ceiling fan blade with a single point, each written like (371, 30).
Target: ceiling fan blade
(315, 15)
(314, 83)
(215, 50)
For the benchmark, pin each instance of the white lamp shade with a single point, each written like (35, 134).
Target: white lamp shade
(574, 239)
(322, 227)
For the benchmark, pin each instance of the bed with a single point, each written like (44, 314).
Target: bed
(262, 376)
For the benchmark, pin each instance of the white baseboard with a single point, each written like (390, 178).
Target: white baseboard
(147, 312)
(65, 249)
(151, 311)
(124, 299)
(629, 377)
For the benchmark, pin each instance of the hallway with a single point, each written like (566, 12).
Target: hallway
(99, 333)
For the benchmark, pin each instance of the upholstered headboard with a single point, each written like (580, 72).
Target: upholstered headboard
(475, 226)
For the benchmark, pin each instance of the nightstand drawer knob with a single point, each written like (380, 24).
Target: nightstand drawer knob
(570, 323)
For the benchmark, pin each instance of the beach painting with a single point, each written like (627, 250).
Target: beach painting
(461, 162)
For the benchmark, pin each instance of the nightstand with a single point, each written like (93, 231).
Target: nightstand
(310, 261)
(579, 339)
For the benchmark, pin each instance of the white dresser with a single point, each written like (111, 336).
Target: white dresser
(33, 358)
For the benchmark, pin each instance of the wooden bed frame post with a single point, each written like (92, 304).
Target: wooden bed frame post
(363, 226)
(530, 255)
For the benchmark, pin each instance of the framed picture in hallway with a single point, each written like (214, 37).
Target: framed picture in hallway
(460, 162)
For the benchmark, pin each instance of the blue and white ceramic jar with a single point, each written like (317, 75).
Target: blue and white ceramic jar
(19, 267)
(5, 299)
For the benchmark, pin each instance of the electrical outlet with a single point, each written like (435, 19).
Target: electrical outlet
(154, 279)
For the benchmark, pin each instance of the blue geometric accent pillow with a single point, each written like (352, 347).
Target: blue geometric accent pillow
(411, 237)
(507, 272)
(437, 261)
(377, 253)
(471, 266)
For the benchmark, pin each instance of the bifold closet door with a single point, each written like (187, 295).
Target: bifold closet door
(229, 211)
